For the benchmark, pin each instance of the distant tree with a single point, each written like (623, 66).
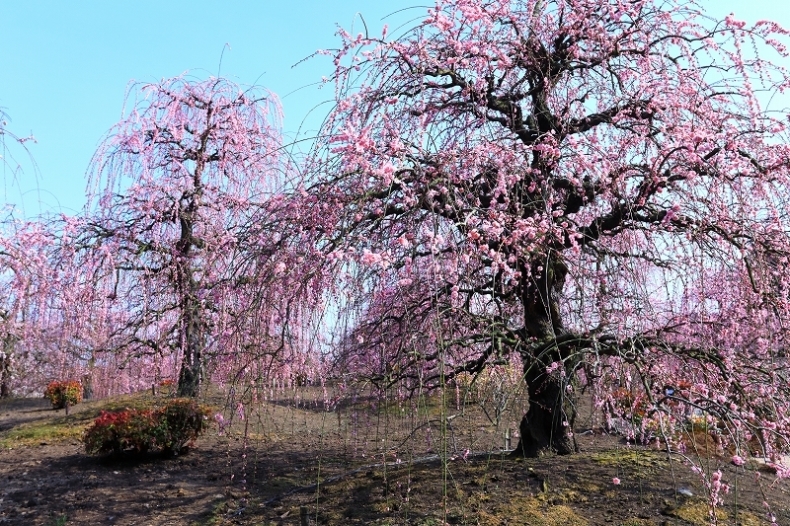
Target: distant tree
(12, 147)
(175, 186)
(25, 293)
(595, 187)
(20, 263)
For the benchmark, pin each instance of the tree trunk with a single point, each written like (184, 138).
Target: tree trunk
(189, 379)
(191, 333)
(5, 369)
(87, 387)
(190, 376)
(547, 426)
(5, 377)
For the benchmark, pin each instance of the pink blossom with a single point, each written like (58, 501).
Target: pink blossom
(370, 258)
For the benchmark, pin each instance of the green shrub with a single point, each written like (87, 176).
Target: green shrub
(183, 421)
(65, 393)
(169, 428)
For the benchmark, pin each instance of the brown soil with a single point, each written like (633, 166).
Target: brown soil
(377, 464)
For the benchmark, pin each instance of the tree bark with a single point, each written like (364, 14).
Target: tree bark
(5, 377)
(189, 378)
(547, 426)
(5, 367)
(87, 387)
(87, 379)
(190, 375)
(191, 333)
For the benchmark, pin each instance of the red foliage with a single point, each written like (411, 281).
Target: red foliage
(168, 428)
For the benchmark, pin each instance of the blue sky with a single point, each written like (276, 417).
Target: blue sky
(65, 67)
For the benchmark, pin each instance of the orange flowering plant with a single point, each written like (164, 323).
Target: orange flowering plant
(63, 393)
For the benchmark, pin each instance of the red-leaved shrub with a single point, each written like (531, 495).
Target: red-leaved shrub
(168, 428)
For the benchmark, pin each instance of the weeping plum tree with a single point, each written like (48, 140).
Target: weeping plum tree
(26, 289)
(177, 178)
(594, 187)
(14, 286)
(12, 149)
(19, 262)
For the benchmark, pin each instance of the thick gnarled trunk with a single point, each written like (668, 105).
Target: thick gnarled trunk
(547, 426)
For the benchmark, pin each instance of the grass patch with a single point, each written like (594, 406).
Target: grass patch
(620, 457)
(34, 434)
(696, 512)
(529, 511)
(215, 516)
(60, 520)
(432, 405)
(54, 426)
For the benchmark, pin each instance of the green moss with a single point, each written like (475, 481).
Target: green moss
(746, 518)
(696, 512)
(529, 511)
(34, 434)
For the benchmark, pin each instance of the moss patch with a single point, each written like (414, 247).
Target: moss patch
(696, 512)
(34, 434)
(620, 457)
(529, 511)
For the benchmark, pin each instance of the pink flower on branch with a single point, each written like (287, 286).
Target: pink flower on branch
(583, 226)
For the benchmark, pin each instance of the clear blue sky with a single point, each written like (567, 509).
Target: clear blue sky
(65, 66)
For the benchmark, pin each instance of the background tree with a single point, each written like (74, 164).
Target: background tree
(12, 148)
(567, 181)
(28, 282)
(26, 299)
(175, 184)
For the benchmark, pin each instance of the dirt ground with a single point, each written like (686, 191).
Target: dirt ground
(291, 461)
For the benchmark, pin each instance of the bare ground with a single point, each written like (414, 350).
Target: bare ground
(290, 461)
